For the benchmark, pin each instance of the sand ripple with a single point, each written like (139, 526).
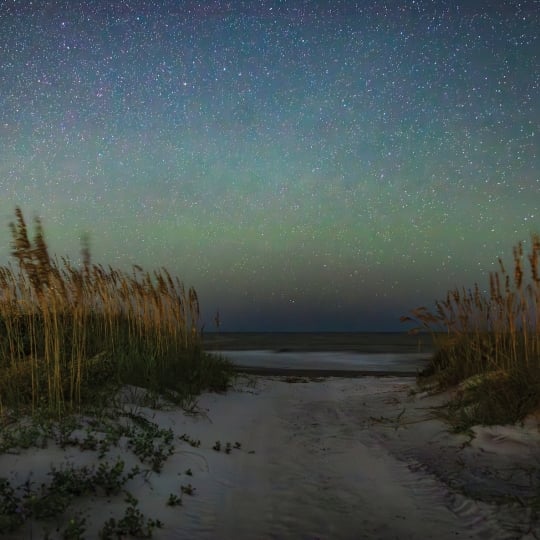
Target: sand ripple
(339, 459)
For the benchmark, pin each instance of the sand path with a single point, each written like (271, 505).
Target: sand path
(335, 459)
(327, 465)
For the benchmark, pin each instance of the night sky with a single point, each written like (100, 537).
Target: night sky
(305, 165)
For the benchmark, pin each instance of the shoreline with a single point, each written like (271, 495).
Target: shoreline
(311, 373)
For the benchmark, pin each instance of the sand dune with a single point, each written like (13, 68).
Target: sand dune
(335, 459)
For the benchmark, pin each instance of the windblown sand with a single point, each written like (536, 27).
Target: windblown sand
(331, 459)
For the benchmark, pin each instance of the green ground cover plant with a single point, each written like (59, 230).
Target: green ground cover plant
(58, 504)
(488, 344)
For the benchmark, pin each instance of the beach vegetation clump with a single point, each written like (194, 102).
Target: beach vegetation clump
(69, 334)
(121, 434)
(488, 344)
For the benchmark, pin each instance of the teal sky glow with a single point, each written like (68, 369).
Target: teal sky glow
(305, 165)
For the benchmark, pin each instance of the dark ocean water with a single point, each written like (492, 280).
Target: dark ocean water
(360, 342)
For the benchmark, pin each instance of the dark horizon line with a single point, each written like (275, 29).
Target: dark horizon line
(214, 332)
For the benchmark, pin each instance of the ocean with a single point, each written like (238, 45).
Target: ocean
(324, 353)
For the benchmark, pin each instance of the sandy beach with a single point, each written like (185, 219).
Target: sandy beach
(334, 458)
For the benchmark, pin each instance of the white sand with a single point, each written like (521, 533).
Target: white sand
(336, 459)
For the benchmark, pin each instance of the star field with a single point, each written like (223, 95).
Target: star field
(305, 165)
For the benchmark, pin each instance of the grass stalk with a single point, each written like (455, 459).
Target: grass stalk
(69, 332)
(492, 339)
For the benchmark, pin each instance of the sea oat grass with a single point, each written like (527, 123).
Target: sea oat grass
(493, 339)
(68, 333)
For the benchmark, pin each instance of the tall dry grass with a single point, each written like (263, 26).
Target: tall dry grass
(495, 336)
(65, 332)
